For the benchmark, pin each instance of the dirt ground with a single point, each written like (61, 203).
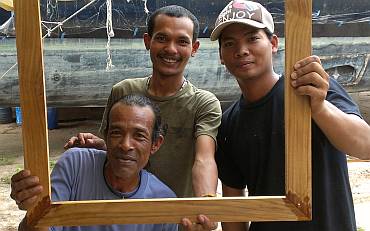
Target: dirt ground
(11, 160)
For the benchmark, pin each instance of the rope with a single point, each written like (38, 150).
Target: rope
(67, 19)
(14, 65)
(145, 6)
(110, 34)
(59, 24)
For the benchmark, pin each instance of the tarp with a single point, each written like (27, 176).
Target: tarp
(7, 5)
(7, 27)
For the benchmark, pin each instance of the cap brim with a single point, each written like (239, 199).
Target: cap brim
(217, 31)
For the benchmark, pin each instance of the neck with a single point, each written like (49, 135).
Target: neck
(120, 184)
(165, 86)
(254, 89)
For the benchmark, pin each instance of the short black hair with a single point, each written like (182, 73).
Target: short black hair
(173, 11)
(141, 101)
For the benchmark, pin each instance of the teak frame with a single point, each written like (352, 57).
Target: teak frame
(294, 206)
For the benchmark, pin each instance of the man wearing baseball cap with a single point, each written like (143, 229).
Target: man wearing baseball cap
(251, 136)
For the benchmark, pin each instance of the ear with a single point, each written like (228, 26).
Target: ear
(157, 144)
(195, 48)
(147, 40)
(274, 43)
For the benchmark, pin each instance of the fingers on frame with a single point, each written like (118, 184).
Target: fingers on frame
(311, 91)
(25, 204)
(25, 184)
(21, 181)
(313, 79)
(303, 62)
(311, 68)
(20, 175)
(186, 223)
(26, 190)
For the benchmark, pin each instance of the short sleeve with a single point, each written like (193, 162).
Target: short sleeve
(103, 125)
(208, 115)
(62, 177)
(338, 96)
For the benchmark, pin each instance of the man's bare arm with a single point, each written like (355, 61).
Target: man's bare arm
(86, 140)
(204, 172)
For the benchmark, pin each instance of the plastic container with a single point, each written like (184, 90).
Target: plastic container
(18, 115)
(5, 115)
(51, 114)
(52, 118)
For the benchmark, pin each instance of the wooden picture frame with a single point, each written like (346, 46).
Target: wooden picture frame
(294, 206)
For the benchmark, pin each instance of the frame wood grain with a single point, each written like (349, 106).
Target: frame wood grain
(294, 206)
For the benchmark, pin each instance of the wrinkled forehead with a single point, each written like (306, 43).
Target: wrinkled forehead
(131, 116)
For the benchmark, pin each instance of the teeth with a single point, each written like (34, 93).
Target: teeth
(170, 60)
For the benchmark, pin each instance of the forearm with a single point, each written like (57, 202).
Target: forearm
(235, 226)
(204, 174)
(23, 226)
(204, 171)
(346, 132)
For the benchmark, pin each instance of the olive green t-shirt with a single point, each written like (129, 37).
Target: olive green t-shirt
(187, 114)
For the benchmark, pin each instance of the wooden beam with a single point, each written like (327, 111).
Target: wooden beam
(298, 33)
(96, 212)
(32, 91)
(295, 206)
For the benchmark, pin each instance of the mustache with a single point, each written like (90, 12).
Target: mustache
(124, 156)
(169, 56)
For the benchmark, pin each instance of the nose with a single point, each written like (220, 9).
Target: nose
(126, 143)
(171, 47)
(242, 50)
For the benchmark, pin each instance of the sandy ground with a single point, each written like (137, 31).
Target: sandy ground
(11, 160)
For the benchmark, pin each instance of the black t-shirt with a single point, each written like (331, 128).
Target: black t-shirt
(251, 154)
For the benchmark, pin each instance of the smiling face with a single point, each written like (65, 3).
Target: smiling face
(129, 144)
(171, 45)
(247, 52)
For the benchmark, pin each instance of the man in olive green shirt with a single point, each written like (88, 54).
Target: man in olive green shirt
(186, 160)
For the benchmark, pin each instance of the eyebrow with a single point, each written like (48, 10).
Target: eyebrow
(137, 128)
(142, 129)
(161, 34)
(245, 34)
(186, 38)
(166, 35)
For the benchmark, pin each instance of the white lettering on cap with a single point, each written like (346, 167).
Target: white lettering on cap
(228, 15)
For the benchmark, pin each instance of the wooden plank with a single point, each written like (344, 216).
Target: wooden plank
(32, 91)
(152, 211)
(298, 32)
(170, 211)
